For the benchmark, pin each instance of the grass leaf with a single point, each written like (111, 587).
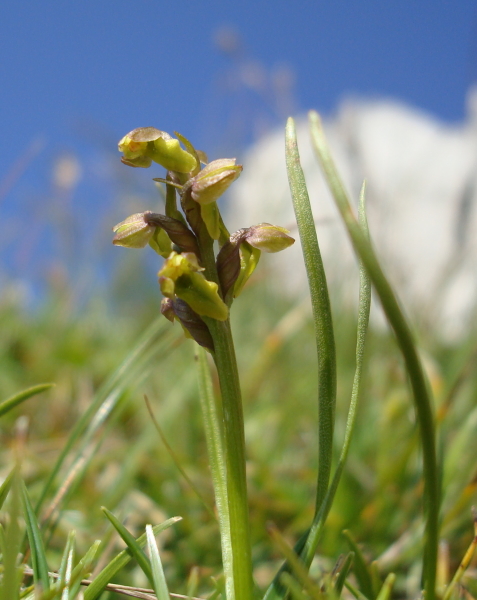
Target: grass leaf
(95, 589)
(17, 399)
(159, 581)
(136, 550)
(37, 549)
(395, 316)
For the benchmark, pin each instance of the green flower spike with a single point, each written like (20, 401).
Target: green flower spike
(181, 276)
(146, 144)
(133, 232)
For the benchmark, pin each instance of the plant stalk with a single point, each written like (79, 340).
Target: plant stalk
(234, 441)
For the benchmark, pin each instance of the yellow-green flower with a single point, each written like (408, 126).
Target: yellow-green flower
(133, 232)
(210, 183)
(146, 144)
(182, 276)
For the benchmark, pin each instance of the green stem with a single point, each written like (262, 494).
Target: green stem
(234, 441)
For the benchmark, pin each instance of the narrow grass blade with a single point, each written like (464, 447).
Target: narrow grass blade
(386, 591)
(12, 538)
(306, 546)
(159, 581)
(136, 550)
(37, 549)
(343, 574)
(325, 343)
(83, 568)
(360, 569)
(66, 565)
(176, 460)
(364, 308)
(5, 487)
(216, 456)
(395, 316)
(464, 563)
(293, 587)
(95, 589)
(17, 399)
(111, 387)
(296, 566)
(354, 591)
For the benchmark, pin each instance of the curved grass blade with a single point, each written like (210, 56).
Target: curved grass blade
(159, 581)
(360, 569)
(343, 574)
(11, 542)
(404, 337)
(5, 487)
(296, 566)
(17, 399)
(386, 591)
(111, 388)
(136, 550)
(306, 546)
(96, 587)
(320, 301)
(464, 563)
(37, 549)
(176, 460)
(364, 307)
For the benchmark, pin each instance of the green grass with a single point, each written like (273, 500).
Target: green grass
(132, 474)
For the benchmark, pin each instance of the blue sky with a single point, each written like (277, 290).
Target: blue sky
(79, 75)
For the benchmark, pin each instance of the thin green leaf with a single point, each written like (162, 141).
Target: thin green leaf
(95, 589)
(356, 593)
(363, 323)
(17, 399)
(83, 568)
(66, 565)
(12, 538)
(343, 574)
(360, 569)
(421, 390)
(296, 566)
(113, 387)
(159, 581)
(37, 549)
(216, 457)
(386, 590)
(293, 587)
(131, 543)
(176, 460)
(320, 301)
(5, 487)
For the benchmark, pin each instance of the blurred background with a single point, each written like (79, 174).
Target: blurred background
(395, 83)
(76, 78)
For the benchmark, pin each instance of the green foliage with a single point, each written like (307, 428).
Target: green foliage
(92, 442)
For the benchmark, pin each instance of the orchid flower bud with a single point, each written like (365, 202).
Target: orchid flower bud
(210, 183)
(146, 144)
(194, 327)
(133, 232)
(269, 238)
(181, 276)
